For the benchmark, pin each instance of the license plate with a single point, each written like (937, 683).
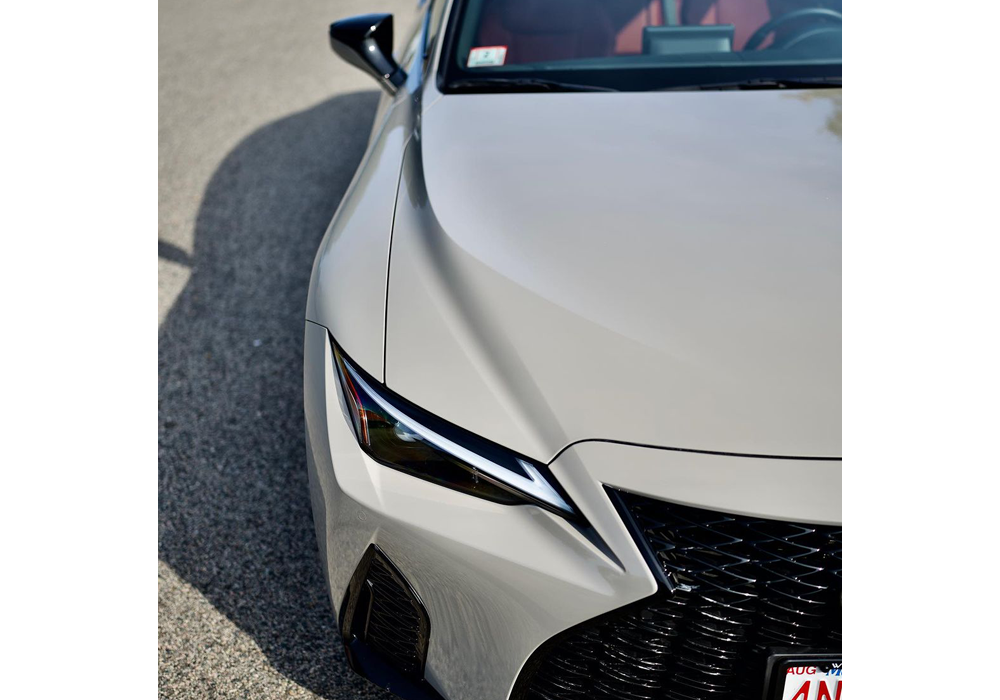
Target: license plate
(805, 678)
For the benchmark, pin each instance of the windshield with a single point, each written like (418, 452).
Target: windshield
(520, 45)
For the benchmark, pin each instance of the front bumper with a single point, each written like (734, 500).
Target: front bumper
(498, 581)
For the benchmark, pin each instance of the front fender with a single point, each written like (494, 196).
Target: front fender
(347, 289)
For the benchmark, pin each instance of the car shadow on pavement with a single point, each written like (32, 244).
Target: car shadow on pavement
(234, 515)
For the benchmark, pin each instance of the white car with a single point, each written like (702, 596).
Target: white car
(572, 354)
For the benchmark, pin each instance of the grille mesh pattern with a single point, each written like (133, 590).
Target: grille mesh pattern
(740, 588)
(393, 628)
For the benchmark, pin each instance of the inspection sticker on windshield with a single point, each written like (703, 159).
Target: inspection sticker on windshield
(487, 56)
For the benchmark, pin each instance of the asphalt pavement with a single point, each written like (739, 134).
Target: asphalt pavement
(261, 129)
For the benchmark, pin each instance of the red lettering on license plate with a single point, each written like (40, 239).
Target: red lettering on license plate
(810, 683)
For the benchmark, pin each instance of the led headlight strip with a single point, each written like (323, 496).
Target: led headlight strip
(402, 436)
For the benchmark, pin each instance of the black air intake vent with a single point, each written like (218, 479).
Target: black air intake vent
(734, 589)
(382, 613)
(393, 619)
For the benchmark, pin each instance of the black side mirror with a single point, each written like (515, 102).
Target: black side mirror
(365, 41)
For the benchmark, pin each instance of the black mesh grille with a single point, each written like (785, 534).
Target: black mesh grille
(393, 620)
(382, 613)
(735, 588)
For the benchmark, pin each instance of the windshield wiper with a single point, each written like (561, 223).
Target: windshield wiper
(523, 85)
(765, 84)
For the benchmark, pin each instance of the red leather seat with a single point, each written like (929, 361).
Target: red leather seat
(629, 37)
(746, 15)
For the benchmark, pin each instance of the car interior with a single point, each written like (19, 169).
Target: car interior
(535, 31)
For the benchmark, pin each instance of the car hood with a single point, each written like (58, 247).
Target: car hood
(655, 268)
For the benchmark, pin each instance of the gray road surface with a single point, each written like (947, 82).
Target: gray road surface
(260, 131)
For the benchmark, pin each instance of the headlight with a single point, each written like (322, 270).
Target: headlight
(394, 432)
